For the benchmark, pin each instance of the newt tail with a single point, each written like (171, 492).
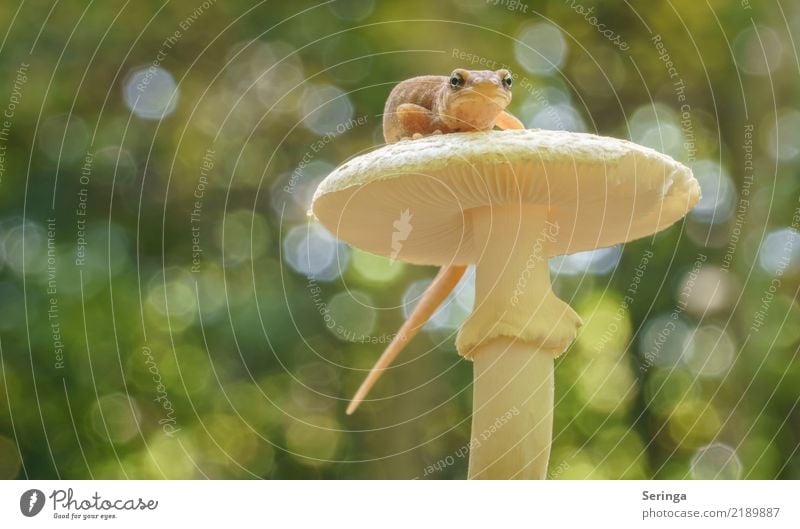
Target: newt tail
(444, 282)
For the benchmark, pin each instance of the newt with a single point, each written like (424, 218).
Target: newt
(466, 101)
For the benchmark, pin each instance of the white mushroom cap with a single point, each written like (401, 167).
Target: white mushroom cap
(600, 191)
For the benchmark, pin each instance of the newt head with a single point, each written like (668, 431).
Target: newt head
(473, 99)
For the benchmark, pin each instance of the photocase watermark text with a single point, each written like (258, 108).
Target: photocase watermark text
(590, 17)
(537, 256)
(206, 165)
(679, 87)
(82, 209)
(7, 119)
(168, 422)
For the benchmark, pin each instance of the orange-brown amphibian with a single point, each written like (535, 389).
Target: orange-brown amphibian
(467, 100)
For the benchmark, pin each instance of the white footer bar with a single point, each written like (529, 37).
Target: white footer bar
(400, 504)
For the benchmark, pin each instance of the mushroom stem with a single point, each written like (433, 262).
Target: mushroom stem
(515, 330)
(512, 421)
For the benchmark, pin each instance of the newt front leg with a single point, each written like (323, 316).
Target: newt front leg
(417, 120)
(508, 121)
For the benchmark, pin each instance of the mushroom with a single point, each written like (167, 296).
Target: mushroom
(506, 201)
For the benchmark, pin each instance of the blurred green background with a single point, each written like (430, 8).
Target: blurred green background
(168, 310)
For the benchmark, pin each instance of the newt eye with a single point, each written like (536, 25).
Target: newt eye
(456, 80)
(507, 80)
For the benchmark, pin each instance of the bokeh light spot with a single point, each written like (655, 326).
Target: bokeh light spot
(312, 251)
(562, 116)
(246, 236)
(325, 109)
(716, 461)
(353, 317)
(172, 294)
(33, 237)
(352, 11)
(606, 325)
(374, 268)
(63, 137)
(758, 50)
(693, 423)
(718, 193)
(540, 48)
(666, 389)
(151, 93)
(781, 138)
(317, 443)
(657, 126)
(115, 417)
(779, 251)
(664, 340)
(598, 261)
(607, 385)
(707, 291)
(712, 351)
